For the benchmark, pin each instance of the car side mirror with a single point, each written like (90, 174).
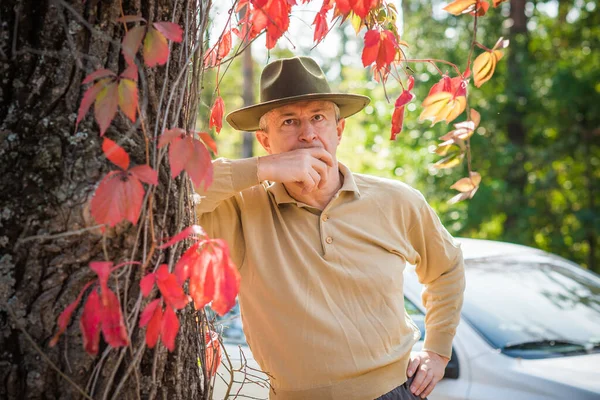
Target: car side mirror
(452, 369)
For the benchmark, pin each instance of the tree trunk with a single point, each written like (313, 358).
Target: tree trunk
(517, 93)
(49, 173)
(248, 94)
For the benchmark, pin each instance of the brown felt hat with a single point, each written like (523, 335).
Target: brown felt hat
(290, 80)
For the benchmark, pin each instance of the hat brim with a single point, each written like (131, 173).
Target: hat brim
(247, 118)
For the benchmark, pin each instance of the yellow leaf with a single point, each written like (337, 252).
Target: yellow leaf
(128, 98)
(442, 106)
(485, 65)
(442, 149)
(356, 22)
(459, 7)
(475, 117)
(451, 161)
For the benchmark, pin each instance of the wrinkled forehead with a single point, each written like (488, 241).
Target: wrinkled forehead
(301, 107)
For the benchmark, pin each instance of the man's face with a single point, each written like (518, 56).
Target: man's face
(302, 125)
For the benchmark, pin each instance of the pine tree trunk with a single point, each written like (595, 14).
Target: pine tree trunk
(49, 173)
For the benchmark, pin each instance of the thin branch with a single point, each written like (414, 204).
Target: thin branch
(56, 236)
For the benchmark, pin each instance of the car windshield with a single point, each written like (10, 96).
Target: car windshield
(533, 306)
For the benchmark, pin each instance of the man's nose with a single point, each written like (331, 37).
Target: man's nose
(307, 132)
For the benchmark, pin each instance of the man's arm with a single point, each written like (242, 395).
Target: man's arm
(440, 269)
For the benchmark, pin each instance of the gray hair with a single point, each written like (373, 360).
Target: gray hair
(262, 123)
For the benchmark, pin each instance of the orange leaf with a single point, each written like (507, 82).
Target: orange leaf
(398, 115)
(498, 2)
(467, 184)
(156, 48)
(202, 279)
(321, 28)
(212, 352)
(485, 65)
(461, 7)
(216, 114)
(169, 328)
(89, 97)
(208, 141)
(224, 45)
(170, 30)
(272, 15)
(131, 43)
(190, 230)
(481, 8)
(105, 106)
(115, 154)
(442, 106)
(119, 196)
(128, 98)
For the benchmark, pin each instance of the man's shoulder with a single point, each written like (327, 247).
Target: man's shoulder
(386, 188)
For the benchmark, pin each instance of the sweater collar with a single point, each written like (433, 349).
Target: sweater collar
(282, 196)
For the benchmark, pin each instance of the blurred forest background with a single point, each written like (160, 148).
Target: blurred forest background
(538, 144)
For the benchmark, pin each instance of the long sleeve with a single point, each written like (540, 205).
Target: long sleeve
(440, 268)
(219, 208)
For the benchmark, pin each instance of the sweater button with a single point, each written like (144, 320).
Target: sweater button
(329, 240)
(325, 217)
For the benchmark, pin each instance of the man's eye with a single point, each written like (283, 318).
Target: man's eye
(288, 122)
(319, 117)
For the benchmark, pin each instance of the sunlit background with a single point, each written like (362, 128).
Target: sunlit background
(538, 144)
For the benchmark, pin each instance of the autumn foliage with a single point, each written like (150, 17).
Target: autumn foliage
(205, 274)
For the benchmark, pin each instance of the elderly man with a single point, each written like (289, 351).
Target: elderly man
(321, 252)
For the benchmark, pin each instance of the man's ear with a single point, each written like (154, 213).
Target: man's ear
(340, 129)
(263, 139)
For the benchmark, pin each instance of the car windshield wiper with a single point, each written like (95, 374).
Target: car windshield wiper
(544, 343)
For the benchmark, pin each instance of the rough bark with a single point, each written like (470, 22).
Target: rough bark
(49, 173)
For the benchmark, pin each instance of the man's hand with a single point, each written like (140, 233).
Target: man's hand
(429, 368)
(306, 167)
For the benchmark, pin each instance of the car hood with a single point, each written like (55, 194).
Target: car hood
(580, 371)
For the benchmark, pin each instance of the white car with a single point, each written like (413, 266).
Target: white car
(530, 329)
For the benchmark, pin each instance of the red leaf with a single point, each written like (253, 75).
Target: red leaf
(169, 329)
(105, 106)
(398, 115)
(321, 28)
(410, 83)
(89, 97)
(101, 73)
(102, 269)
(380, 47)
(169, 135)
(216, 114)
(224, 45)
(113, 325)
(362, 7)
(170, 289)
(190, 230)
(65, 317)
(131, 18)
(202, 280)
(343, 6)
(131, 43)
(119, 196)
(272, 15)
(156, 48)
(131, 72)
(154, 326)
(115, 154)
(227, 282)
(213, 352)
(170, 30)
(148, 312)
(187, 263)
(145, 173)
(147, 283)
(179, 152)
(209, 141)
(128, 98)
(199, 166)
(90, 323)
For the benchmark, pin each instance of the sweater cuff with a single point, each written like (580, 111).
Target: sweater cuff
(438, 342)
(245, 173)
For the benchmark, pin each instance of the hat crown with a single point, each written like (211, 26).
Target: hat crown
(292, 77)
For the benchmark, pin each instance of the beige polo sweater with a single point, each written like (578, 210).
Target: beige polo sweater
(322, 292)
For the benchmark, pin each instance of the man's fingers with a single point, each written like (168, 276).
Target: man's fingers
(428, 389)
(412, 366)
(322, 155)
(311, 181)
(428, 377)
(321, 168)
